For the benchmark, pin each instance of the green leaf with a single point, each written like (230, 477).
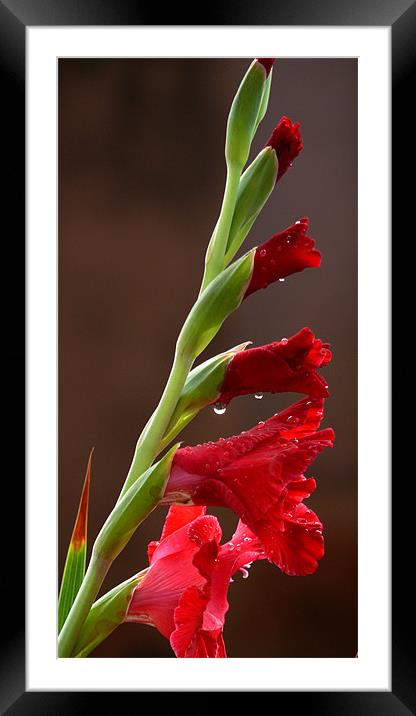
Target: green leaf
(201, 388)
(74, 569)
(135, 505)
(106, 614)
(221, 297)
(256, 185)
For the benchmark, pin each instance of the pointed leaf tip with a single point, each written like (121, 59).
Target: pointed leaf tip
(79, 534)
(74, 569)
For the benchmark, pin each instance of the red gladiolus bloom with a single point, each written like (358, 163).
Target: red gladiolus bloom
(285, 253)
(286, 140)
(259, 475)
(288, 365)
(184, 593)
(267, 63)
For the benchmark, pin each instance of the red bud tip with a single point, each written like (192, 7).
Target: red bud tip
(286, 140)
(267, 63)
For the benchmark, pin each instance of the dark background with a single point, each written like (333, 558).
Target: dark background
(141, 175)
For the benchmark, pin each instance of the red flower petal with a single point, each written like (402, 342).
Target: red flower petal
(295, 544)
(190, 640)
(284, 366)
(177, 518)
(172, 569)
(200, 615)
(285, 253)
(298, 420)
(259, 475)
(267, 63)
(286, 140)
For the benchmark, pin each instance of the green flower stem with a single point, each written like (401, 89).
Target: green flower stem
(94, 577)
(214, 262)
(148, 444)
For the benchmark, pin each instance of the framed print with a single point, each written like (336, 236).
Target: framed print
(121, 153)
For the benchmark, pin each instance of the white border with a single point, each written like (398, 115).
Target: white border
(371, 671)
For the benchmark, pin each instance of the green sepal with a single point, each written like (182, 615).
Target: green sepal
(264, 100)
(74, 569)
(256, 185)
(202, 387)
(220, 298)
(106, 614)
(243, 116)
(135, 505)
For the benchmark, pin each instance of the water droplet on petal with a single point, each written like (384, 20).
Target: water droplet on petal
(263, 253)
(244, 572)
(220, 408)
(258, 396)
(281, 279)
(284, 341)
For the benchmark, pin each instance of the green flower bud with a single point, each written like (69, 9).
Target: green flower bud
(220, 298)
(244, 113)
(135, 505)
(256, 185)
(106, 614)
(202, 387)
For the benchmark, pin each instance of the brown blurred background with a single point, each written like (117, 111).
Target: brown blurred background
(141, 175)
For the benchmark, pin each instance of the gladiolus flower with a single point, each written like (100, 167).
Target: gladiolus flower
(259, 475)
(267, 63)
(184, 593)
(285, 253)
(288, 365)
(286, 140)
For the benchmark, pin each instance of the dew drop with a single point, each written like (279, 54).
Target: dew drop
(244, 572)
(292, 419)
(263, 253)
(284, 341)
(281, 279)
(258, 396)
(220, 408)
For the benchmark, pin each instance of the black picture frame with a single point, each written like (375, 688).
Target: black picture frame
(15, 16)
